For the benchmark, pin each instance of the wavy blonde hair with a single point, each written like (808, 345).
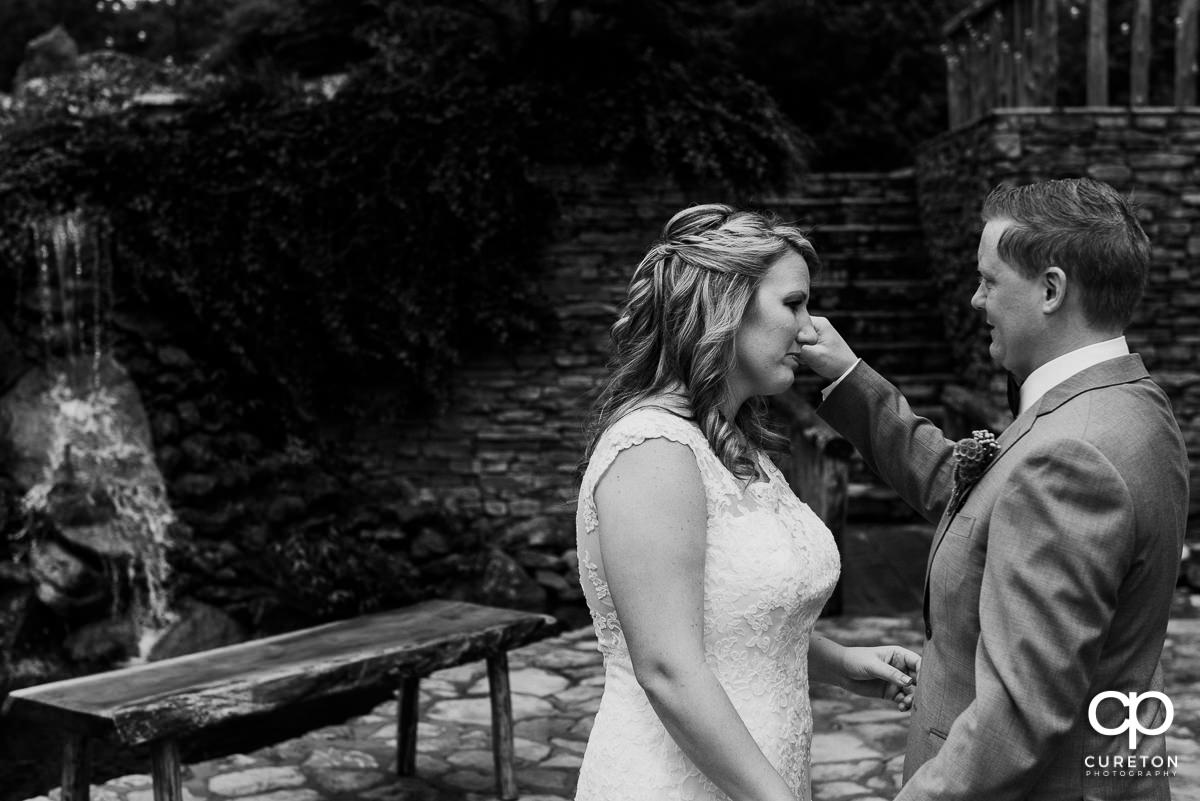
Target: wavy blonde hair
(684, 306)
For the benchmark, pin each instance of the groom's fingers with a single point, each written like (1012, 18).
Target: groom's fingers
(897, 678)
(906, 660)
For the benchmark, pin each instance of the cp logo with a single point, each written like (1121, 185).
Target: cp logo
(1132, 724)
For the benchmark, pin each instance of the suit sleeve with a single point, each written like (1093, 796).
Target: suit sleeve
(908, 452)
(1060, 542)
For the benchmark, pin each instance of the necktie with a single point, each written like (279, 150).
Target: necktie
(1014, 396)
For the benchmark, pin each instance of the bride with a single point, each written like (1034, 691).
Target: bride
(703, 572)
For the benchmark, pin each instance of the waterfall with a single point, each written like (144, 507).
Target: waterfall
(99, 481)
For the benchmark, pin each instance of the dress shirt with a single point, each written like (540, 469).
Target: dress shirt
(1058, 370)
(825, 392)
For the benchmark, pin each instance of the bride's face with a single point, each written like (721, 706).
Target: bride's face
(775, 325)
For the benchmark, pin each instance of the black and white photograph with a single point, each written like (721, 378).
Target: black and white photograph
(599, 400)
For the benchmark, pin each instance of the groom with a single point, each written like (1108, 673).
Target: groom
(1053, 565)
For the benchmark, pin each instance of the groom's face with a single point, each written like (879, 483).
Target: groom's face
(1011, 304)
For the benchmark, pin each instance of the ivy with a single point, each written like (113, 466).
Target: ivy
(384, 233)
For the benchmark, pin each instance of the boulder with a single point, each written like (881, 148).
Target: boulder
(199, 627)
(64, 580)
(110, 641)
(505, 583)
(52, 53)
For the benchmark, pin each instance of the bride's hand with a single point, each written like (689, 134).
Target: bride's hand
(883, 671)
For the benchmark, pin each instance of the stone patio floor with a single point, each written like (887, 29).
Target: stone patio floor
(857, 747)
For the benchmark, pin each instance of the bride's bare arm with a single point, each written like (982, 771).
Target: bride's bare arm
(880, 671)
(651, 507)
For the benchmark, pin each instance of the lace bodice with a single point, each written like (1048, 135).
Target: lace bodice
(770, 565)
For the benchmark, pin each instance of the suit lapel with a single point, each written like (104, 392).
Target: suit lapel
(1121, 370)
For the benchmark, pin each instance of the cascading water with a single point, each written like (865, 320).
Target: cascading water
(98, 482)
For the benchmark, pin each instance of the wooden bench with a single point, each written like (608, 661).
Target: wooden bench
(162, 704)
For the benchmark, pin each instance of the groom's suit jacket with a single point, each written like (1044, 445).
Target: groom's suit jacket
(1051, 583)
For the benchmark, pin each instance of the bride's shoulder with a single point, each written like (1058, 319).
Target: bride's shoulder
(654, 415)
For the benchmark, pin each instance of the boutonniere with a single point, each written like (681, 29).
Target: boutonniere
(972, 455)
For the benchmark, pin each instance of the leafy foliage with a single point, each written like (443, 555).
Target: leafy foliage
(866, 80)
(330, 575)
(383, 232)
(181, 30)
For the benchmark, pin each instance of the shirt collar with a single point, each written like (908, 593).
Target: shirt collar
(1058, 370)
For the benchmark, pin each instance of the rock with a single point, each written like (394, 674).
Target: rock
(528, 681)
(845, 771)
(533, 531)
(211, 522)
(321, 487)
(348, 781)
(554, 582)
(340, 758)
(165, 426)
(14, 573)
(536, 560)
(169, 459)
(194, 486)
(285, 508)
(105, 539)
(112, 641)
(255, 780)
(199, 628)
(52, 53)
(174, 357)
(841, 747)
(505, 583)
(39, 419)
(429, 543)
(73, 502)
(479, 710)
(247, 444)
(405, 789)
(148, 795)
(189, 414)
(65, 581)
(199, 451)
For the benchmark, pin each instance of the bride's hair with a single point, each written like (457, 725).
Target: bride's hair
(676, 331)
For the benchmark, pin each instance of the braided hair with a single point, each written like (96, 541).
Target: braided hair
(683, 309)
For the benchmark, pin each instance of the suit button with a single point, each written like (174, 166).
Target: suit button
(928, 632)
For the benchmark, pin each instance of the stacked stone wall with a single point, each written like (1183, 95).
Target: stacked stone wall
(509, 446)
(1150, 154)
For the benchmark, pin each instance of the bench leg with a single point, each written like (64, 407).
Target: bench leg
(502, 726)
(76, 769)
(408, 703)
(165, 771)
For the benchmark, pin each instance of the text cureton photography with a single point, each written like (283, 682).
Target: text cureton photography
(1132, 764)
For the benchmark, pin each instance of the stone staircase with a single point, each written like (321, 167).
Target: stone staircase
(874, 286)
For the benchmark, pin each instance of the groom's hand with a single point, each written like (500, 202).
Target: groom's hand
(884, 671)
(830, 356)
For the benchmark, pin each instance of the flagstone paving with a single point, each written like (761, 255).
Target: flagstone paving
(857, 752)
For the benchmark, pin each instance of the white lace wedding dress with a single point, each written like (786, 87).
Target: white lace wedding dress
(770, 566)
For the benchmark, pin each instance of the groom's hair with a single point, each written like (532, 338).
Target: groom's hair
(1086, 228)
(684, 306)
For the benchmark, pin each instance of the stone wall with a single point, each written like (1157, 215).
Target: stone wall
(508, 448)
(1153, 155)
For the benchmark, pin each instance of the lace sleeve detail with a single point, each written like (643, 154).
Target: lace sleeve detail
(720, 486)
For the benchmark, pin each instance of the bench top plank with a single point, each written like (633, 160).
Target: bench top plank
(198, 691)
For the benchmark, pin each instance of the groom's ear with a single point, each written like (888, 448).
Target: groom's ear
(1054, 289)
